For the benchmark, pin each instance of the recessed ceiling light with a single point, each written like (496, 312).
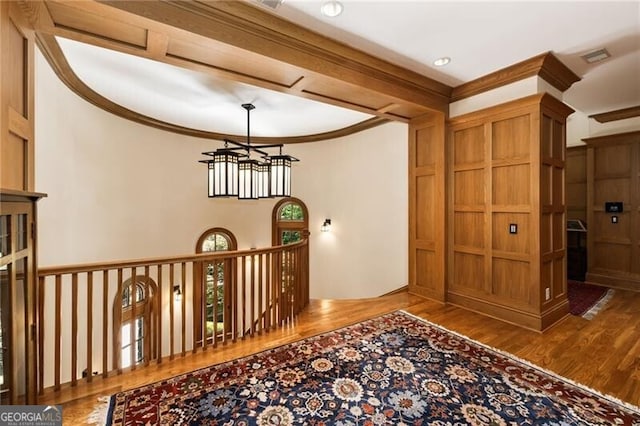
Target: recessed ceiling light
(596, 56)
(331, 8)
(273, 4)
(440, 62)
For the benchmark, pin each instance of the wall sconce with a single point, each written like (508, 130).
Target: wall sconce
(177, 293)
(326, 226)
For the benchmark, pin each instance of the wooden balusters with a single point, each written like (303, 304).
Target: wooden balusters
(41, 299)
(133, 326)
(58, 332)
(158, 316)
(117, 356)
(258, 290)
(105, 323)
(74, 329)
(171, 313)
(215, 313)
(89, 369)
(183, 299)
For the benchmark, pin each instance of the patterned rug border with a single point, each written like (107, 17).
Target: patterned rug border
(632, 408)
(599, 305)
(530, 364)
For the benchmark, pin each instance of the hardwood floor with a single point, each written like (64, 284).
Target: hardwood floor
(603, 354)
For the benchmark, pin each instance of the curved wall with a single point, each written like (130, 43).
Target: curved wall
(120, 190)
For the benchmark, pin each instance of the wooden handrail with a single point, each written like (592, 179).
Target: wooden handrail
(152, 261)
(259, 289)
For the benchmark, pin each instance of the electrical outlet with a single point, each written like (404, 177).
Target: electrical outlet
(547, 293)
(614, 219)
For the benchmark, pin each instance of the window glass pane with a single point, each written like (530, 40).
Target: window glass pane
(126, 297)
(4, 301)
(5, 241)
(126, 293)
(126, 343)
(19, 339)
(22, 232)
(125, 353)
(140, 292)
(222, 244)
(219, 320)
(291, 211)
(126, 335)
(215, 242)
(209, 244)
(139, 339)
(290, 237)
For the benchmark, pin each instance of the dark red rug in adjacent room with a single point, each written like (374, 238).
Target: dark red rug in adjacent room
(586, 300)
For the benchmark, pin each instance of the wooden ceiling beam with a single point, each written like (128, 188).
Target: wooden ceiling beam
(246, 27)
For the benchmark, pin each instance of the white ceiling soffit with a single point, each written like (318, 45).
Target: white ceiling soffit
(197, 100)
(481, 37)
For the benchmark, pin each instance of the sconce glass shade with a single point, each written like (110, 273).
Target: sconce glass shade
(326, 226)
(264, 180)
(248, 179)
(177, 293)
(280, 175)
(223, 173)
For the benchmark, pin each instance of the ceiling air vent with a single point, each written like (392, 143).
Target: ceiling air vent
(272, 4)
(596, 56)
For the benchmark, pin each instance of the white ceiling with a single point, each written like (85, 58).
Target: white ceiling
(197, 100)
(479, 36)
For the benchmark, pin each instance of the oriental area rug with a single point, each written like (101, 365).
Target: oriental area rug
(586, 300)
(396, 369)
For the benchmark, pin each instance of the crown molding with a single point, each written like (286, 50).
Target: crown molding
(614, 139)
(619, 114)
(545, 65)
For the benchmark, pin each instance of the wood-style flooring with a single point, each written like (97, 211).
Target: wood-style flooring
(603, 354)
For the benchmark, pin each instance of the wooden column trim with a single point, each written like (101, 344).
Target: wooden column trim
(546, 65)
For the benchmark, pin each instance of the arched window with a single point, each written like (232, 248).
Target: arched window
(213, 280)
(134, 341)
(290, 224)
(290, 221)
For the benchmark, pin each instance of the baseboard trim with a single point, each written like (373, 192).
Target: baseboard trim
(402, 289)
(537, 322)
(612, 281)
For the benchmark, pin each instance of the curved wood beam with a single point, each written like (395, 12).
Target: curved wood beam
(55, 57)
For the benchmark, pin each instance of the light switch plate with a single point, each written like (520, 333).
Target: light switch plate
(513, 228)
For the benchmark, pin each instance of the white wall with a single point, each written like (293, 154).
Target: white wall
(120, 190)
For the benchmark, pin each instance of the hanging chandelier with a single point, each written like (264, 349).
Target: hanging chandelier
(234, 171)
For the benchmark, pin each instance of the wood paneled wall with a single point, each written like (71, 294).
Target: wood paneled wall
(426, 206)
(16, 100)
(613, 174)
(506, 168)
(17, 200)
(576, 174)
